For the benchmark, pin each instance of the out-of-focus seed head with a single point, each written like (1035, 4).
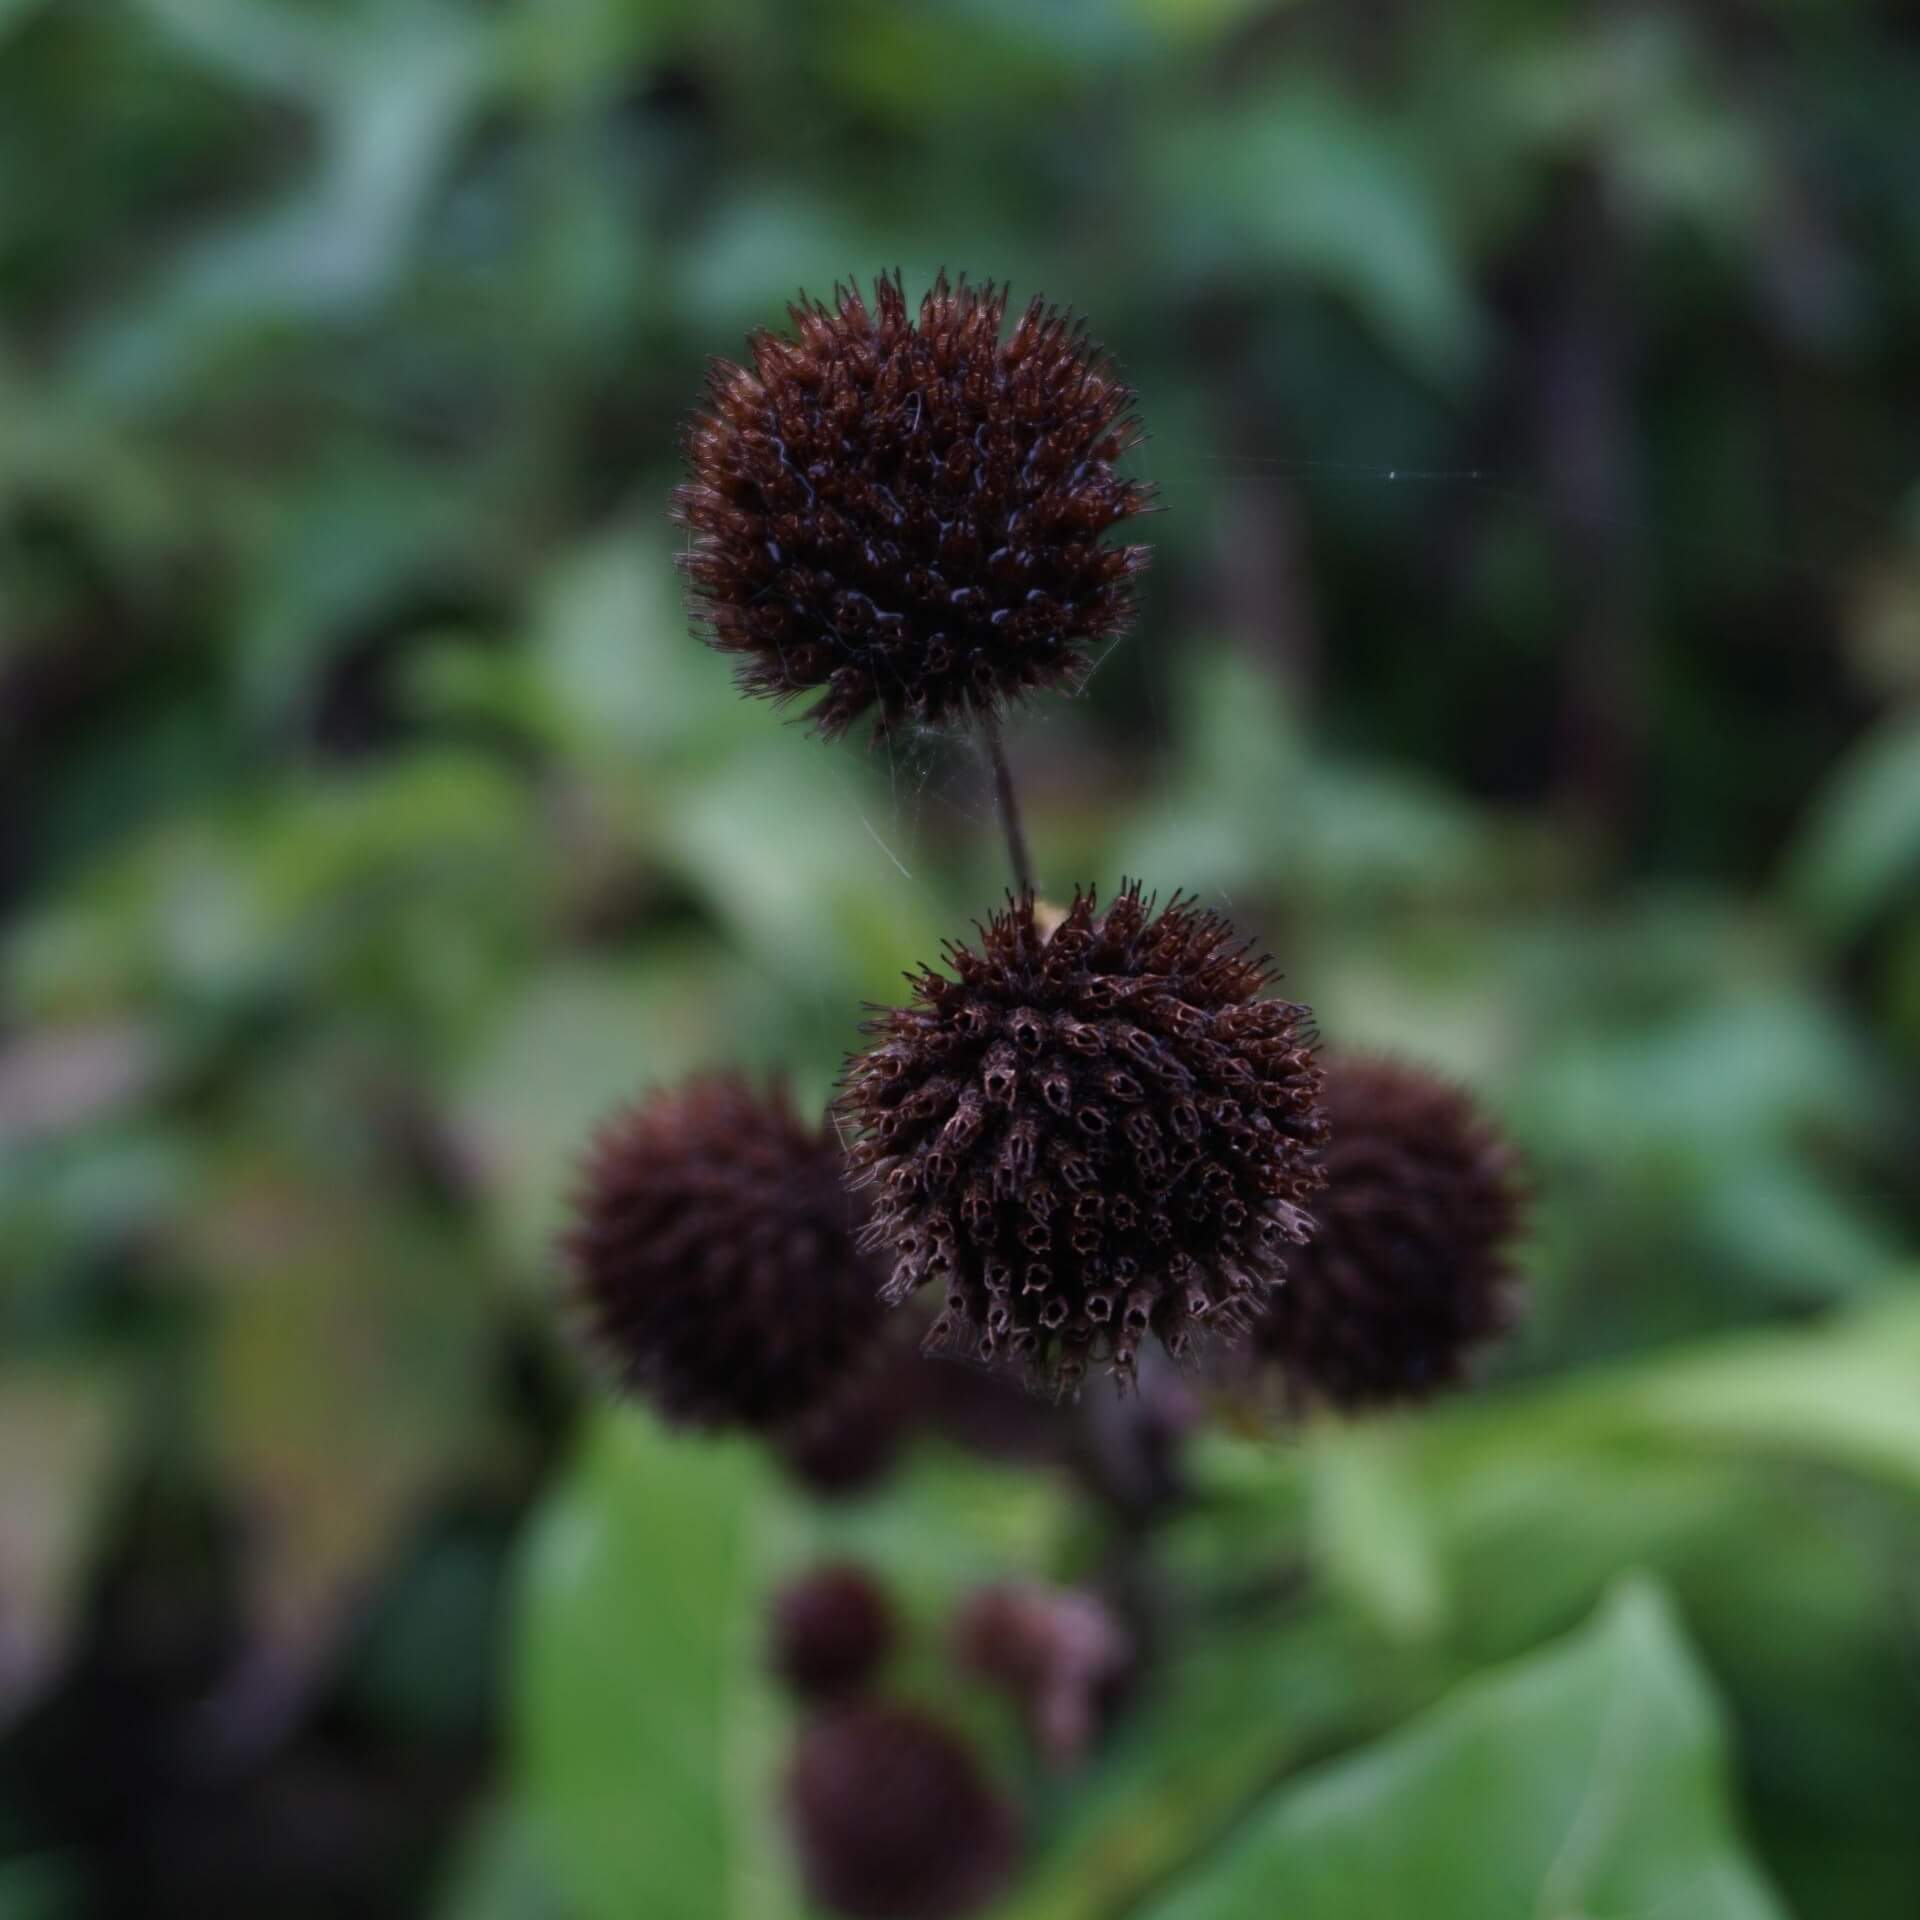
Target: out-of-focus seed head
(1409, 1270)
(850, 1441)
(893, 1818)
(1059, 1652)
(905, 517)
(831, 1631)
(713, 1257)
(1088, 1138)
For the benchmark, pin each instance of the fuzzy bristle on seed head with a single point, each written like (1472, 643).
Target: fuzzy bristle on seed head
(906, 516)
(1409, 1270)
(1088, 1139)
(713, 1259)
(893, 1818)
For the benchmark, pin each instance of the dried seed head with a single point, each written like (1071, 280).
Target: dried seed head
(1408, 1270)
(907, 518)
(1086, 1139)
(831, 1631)
(894, 1820)
(713, 1260)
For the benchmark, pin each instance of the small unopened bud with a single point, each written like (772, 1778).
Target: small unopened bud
(1060, 1654)
(831, 1632)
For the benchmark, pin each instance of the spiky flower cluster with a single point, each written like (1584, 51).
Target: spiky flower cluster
(1088, 1137)
(1410, 1269)
(907, 518)
(713, 1256)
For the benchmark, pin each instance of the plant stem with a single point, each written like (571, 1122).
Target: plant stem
(1007, 802)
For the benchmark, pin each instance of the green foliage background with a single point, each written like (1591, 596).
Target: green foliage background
(1532, 657)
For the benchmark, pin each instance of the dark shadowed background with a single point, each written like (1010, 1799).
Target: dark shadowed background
(1531, 657)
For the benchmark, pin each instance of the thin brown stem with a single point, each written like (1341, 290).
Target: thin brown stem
(1007, 803)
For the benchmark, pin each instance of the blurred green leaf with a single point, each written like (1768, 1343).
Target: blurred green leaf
(1310, 183)
(40, 1887)
(1844, 1395)
(58, 1440)
(613, 650)
(1859, 853)
(646, 1727)
(340, 1379)
(14, 12)
(577, 1042)
(499, 1873)
(1368, 1528)
(1589, 1779)
(1632, 92)
(1239, 1701)
(1195, 19)
(390, 89)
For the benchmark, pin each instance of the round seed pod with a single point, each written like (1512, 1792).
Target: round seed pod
(893, 1818)
(713, 1260)
(1088, 1138)
(905, 517)
(831, 1631)
(1409, 1270)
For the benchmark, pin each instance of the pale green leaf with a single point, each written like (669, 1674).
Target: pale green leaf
(1587, 1780)
(1860, 851)
(58, 1433)
(646, 1728)
(1368, 1527)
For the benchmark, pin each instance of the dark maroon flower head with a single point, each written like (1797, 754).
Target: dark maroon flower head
(1088, 1138)
(894, 1819)
(851, 1440)
(713, 1256)
(831, 1631)
(1409, 1269)
(905, 517)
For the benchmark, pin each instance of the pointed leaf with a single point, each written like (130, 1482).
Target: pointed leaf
(1586, 1780)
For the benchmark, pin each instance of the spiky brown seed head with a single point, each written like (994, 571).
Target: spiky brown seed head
(713, 1257)
(893, 1818)
(1410, 1268)
(1088, 1138)
(906, 518)
(831, 1630)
